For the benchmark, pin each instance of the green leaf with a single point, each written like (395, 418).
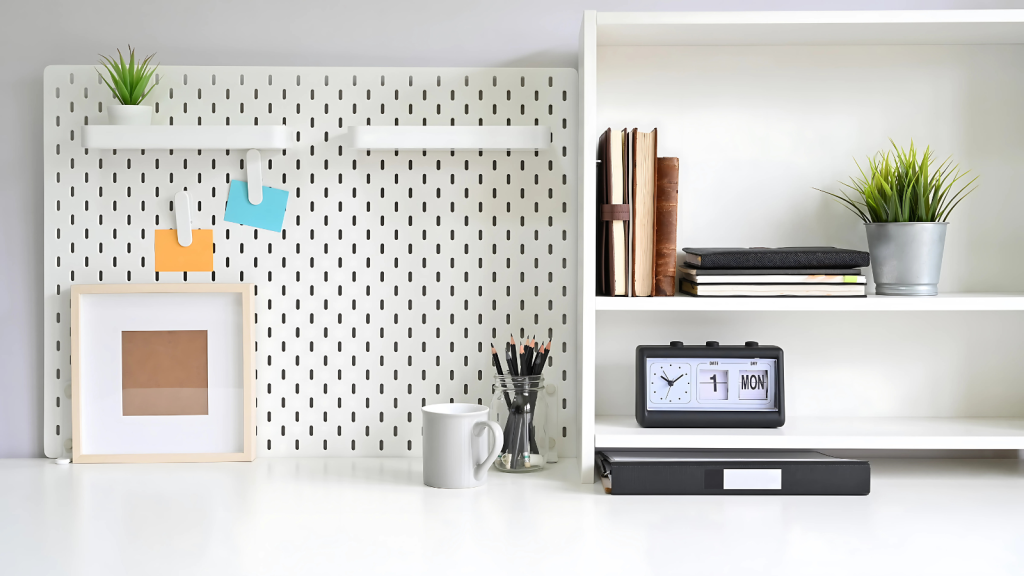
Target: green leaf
(132, 80)
(128, 81)
(125, 74)
(905, 185)
(118, 87)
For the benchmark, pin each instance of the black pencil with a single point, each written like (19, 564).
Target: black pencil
(497, 361)
(497, 367)
(537, 359)
(510, 359)
(522, 359)
(524, 364)
(544, 357)
(529, 353)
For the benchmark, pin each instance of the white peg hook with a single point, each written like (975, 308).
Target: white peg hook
(183, 218)
(254, 171)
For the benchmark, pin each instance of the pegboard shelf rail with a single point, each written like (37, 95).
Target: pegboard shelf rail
(185, 137)
(448, 137)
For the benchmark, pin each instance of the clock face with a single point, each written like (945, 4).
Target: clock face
(709, 384)
(668, 381)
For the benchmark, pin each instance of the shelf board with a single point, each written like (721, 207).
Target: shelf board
(940, 303)
(448, 137)
(185, 137)
(824, 434)
(828, 28)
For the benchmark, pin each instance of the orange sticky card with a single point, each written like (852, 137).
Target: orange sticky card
(173, 257)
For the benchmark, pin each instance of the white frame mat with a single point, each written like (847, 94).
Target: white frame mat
(100, 313)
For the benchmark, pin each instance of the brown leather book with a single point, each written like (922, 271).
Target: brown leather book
(613, 214)
(644, 155)
(666, 212)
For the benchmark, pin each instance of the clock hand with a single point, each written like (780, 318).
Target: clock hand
(677, 378)
(665, 378)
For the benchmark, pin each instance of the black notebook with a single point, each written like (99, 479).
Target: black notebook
(765, 258)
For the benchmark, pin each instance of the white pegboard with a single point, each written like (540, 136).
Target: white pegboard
(395, 270)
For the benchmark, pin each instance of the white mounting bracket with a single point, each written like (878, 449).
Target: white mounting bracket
(183, 217)
(254, 172)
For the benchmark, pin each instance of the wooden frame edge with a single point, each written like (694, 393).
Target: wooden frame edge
(248, 295)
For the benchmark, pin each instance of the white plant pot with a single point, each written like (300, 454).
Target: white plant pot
(129, 115)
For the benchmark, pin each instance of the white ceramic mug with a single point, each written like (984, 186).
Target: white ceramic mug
(455, 451)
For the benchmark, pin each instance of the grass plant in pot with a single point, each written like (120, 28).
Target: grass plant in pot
(904, 199)
(129, 83)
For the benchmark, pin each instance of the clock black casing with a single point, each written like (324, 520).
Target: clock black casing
(708, 419)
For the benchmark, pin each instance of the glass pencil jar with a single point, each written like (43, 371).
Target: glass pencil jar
(519, 404)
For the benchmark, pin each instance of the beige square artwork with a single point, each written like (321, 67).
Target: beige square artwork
(164, 373)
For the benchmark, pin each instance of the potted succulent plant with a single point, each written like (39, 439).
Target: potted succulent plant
(128, 82)
(904, 200)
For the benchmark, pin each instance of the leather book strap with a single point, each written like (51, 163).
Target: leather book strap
(615, 212)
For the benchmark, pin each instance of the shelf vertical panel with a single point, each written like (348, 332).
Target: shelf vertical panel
(587, 203)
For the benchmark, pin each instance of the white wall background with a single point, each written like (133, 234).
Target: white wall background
(253, 32)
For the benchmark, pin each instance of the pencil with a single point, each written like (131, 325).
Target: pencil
(538, 360)
(508, 400)
(513, 370)
(544, 357)
(528, 358)
(497, 361)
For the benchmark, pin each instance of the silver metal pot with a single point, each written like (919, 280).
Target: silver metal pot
(906, 257)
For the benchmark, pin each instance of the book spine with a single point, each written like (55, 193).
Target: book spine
(666, 210)
(643, 161)
(626, 176)
(604, 248)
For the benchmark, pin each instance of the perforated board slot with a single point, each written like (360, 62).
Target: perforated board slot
(395, 270)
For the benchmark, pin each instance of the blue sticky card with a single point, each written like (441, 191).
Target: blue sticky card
(268, 214)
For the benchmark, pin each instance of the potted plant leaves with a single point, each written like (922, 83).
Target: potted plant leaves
(904, 200)
(129, 83)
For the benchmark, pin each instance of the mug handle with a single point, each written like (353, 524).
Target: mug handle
(478, 429)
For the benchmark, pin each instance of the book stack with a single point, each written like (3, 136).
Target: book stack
(811, 271)
(637, 200)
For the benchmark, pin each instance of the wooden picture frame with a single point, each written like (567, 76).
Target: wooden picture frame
(220, 396)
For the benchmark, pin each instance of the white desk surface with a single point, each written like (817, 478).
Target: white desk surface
(373, 516)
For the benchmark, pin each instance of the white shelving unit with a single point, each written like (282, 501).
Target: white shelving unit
(185, 137)
(448, 137)
(761, 108)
